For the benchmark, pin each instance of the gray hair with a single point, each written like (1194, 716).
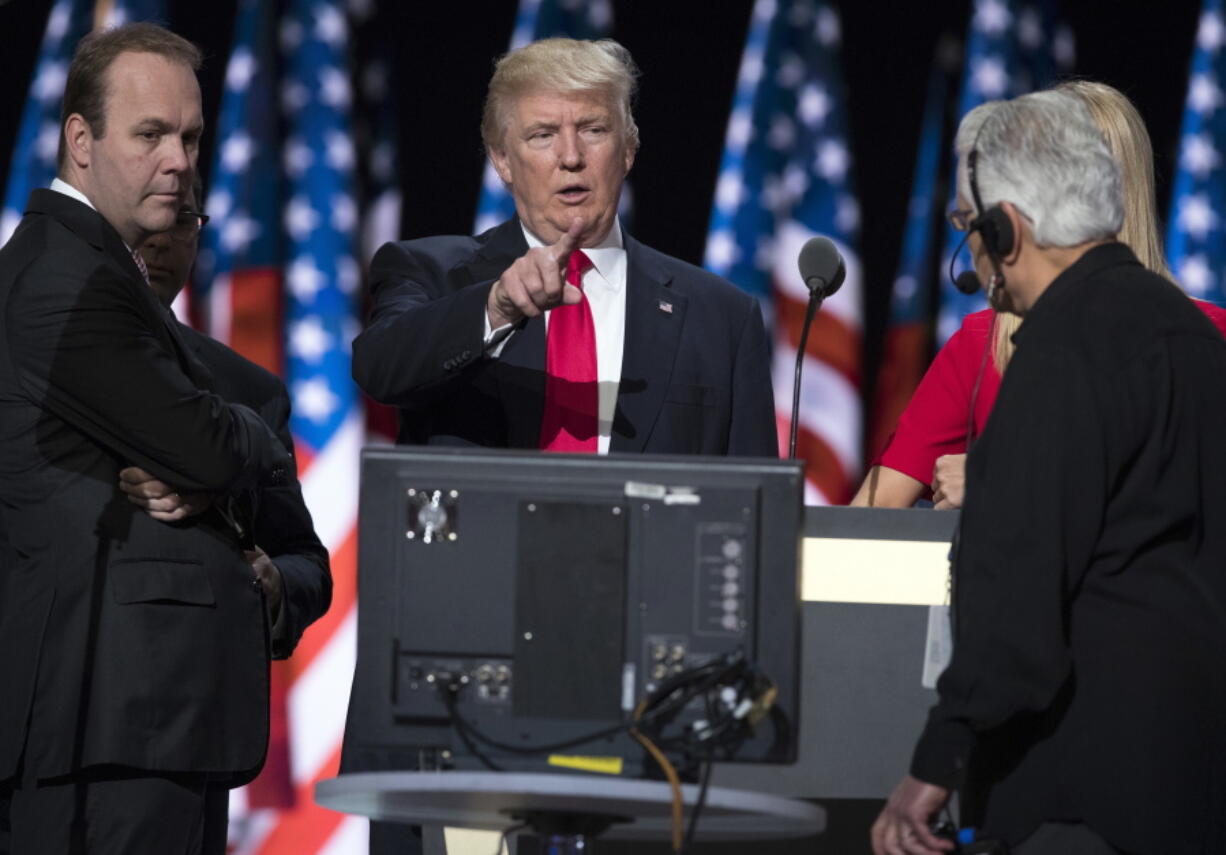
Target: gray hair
(1043, 153)
(566, 66)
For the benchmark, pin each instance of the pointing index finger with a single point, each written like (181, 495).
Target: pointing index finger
(566, 244)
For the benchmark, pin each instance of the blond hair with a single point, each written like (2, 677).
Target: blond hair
(565, 66)
(1126, 136)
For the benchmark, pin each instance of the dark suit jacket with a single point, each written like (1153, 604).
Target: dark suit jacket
(695, 370)
(282, 525)
(126, 640)
(1089, 588)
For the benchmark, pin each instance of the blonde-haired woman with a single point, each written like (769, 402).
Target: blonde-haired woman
(951, 405)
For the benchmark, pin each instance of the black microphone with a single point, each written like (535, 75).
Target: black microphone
(821, 266)
(822, 269)
(968, 282)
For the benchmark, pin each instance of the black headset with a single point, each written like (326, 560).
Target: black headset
(995, 230)
(993, 225)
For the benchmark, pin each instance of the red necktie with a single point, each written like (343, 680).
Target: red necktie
(571, 393)
(140, 265)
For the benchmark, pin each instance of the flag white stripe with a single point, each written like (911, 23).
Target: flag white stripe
(249, 827)
(318, 701)
(330, 483)
(220, 314)
(829, 403)
(351, 838)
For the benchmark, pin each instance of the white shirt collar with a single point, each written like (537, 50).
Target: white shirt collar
(68, 190)
(605, 256)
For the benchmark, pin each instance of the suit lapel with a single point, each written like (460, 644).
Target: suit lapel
(521, 365)
(92, 227)
(160, 317)
(89, 226)
(655, 316)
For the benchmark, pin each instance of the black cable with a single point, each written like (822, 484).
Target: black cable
(670, 699)
(663, 694)
(466, 729)
(983, 364)
(461, 730)
(507, 832)
(698, 805)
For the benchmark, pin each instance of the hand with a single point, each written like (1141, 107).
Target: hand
(536, 281)
(269, 576)
(903, 824)
(949, 481)
(158, 499)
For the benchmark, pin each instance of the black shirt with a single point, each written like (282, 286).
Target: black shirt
(1088, 681)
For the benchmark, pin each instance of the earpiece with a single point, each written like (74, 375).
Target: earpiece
(996, 231)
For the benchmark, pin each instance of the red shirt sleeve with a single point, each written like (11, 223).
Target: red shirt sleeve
(1214, 312)
(934, 422)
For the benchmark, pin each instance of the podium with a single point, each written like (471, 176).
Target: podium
(873, 580)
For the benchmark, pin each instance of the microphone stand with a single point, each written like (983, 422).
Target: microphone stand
(815, 301)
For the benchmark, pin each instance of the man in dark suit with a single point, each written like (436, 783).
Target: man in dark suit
(1082, 711)
(135, 658)
(287, 554)
(473, 338)
(458, 334)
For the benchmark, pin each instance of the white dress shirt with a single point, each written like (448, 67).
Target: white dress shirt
(604, 284)
(68, 190)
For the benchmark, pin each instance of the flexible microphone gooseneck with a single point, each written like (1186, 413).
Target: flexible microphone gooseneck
(822, 269)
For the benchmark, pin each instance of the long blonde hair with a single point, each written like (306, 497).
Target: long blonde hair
(1126, 136)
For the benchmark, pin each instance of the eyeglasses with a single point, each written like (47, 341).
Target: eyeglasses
(961, 218)
(188, 225)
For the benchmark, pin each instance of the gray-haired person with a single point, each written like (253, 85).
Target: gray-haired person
(1082, 710)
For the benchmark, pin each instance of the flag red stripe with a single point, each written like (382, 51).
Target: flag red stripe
(307, 827)
(823, 468)
(830, 339)
(274, 787)
(903, 362)
(256, 317)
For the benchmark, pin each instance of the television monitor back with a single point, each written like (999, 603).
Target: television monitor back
(557, 591)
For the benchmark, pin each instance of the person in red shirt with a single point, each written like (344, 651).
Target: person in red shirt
(950, 407)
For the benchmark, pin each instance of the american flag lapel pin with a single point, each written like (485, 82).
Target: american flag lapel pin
(666, 307)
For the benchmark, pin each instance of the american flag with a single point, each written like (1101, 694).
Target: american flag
(33, 160)
(376, 125)
(1012, 48)
(236, 296)
(785, 176)
(904, 355)
(535, 20)
(278, 281)
(113, 13)
(376, 129)
(1195, 243)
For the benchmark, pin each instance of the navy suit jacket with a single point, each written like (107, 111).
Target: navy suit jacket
(695, 371)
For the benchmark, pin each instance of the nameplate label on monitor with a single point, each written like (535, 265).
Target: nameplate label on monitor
(889, 572)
